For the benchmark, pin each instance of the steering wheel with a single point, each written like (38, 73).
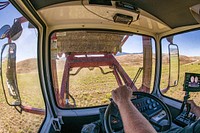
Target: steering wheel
(152, 108)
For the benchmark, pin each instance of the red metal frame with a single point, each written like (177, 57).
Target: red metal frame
(30, 109)
(107, 59)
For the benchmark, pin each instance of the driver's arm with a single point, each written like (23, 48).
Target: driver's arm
(194, 108)
(133, 120)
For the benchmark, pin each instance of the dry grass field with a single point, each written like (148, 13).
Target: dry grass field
(10, 120)
(90, 88)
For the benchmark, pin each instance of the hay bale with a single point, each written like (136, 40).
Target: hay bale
(88, 42)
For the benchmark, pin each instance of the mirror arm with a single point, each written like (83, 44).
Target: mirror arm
(21, 19)
(32, 110)
(18, 109)
(165, 90)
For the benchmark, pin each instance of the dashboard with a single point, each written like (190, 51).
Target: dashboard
(150, 108)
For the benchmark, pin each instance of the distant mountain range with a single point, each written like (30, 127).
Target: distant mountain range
(124, 53)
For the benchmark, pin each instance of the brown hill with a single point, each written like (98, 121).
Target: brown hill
(183, 59)
(27, 66)
(30, 65)
(130, 59)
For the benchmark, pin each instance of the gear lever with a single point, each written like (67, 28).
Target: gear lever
(188, 108)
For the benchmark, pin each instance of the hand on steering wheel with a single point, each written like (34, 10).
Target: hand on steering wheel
(152, 108)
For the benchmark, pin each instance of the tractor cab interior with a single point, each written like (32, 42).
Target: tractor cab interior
(84, 49)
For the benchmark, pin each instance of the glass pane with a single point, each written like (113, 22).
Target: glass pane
(88, 65)
(27, 76)
(188, 44)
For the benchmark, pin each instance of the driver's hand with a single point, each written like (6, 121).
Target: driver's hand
(122, 94)
(194, 108)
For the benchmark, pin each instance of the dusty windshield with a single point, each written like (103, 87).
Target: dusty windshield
(87, 65)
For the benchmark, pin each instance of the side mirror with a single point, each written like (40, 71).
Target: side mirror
(15, 31)
(174, 65)
(8, 74)
(4, 31)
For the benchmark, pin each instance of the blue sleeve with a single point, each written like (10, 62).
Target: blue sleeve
(192, 128)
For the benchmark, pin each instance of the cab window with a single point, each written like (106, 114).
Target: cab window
(19, 32)
(189, 56)
(87, 65)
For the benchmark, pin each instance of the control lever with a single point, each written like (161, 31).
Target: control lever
(188, 108)
(185, 117)
(185, 103)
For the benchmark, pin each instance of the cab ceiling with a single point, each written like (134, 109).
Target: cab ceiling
(174, 13)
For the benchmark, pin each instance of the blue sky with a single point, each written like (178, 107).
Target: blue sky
(134, 45)
(27, 43)
(189, 43)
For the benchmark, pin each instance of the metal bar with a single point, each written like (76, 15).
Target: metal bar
(55, 81)
(137, 74)
(119, 81)
(127, 80)
(102, 71)
(73, 74)
(65, 81)
(90, 64)
(22, 19)
(106, 60)
(33, 110)
(147, 63)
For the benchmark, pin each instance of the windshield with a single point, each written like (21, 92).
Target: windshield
(88, 64)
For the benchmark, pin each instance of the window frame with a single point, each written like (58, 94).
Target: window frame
(160, 75)
(94, 29)
(23, 13)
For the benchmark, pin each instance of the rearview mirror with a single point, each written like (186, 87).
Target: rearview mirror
(8, 74)
(174, 65)
(4, 31)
